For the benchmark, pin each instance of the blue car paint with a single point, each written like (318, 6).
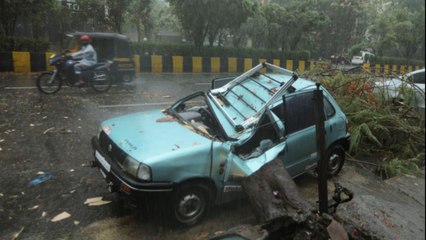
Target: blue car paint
(176, 152)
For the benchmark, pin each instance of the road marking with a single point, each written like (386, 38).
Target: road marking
(136, 105)
(19, 88)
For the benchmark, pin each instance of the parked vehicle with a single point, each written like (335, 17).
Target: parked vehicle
(97, 76)
(408, 88)
(363, 57)
(197, 148)
(339, 59)
(109, 47)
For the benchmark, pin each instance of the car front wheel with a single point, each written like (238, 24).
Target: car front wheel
(190, 203)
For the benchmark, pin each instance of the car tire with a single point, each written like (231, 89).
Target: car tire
(336, 158)
(190, 203)
(126, 78)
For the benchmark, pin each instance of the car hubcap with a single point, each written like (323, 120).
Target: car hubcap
(190, 206)
(333, 162)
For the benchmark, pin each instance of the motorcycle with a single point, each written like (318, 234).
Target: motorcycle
(97, 76)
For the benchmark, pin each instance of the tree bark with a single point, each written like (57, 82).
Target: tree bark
(282, 210)
(273, 194)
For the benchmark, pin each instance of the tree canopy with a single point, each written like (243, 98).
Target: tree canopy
(323, 27)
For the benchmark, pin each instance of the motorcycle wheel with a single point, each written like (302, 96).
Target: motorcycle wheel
(47, 85)
(101, 81)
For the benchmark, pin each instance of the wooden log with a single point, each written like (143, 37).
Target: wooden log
(282, 210)
(273, 194)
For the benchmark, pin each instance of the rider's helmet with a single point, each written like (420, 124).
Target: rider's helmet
(84, 39)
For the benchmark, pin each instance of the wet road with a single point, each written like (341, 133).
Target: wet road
(41, 133)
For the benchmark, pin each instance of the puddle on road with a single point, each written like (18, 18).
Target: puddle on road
(18, 80)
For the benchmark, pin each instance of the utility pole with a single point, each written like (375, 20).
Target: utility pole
(322, 161)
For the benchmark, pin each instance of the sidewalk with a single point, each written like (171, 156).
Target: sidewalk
(392, 209)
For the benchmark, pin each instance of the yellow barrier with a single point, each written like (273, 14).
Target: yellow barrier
(386, 69)
(48, 55)
(248, 64)
(301, 66)
(21, 62)
(215, 64)
(394, 69)
(137, 61)
(197, 64)
(157, 63)
(276, 62)
(177, 64)
(232, 65)
(262, 60)
(377, 69)
(289, 64)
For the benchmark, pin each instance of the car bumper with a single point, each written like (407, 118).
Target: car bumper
(347, 142)
(118, 180)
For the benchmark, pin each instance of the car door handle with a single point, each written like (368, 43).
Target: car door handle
(331, 128)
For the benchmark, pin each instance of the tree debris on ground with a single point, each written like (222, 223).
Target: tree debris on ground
(390, 131)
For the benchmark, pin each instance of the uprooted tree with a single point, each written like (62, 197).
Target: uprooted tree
(282, 210)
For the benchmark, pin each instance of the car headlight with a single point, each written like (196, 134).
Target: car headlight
(144, 172)
(137, 169)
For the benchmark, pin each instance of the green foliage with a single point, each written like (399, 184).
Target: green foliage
(116, 10)
(397, 31)
(399, 167)
(188, 50)
(379, 129)
(208, 17)
(8, 43)
(139, 15)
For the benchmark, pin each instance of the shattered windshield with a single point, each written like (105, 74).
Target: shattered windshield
(195, 112)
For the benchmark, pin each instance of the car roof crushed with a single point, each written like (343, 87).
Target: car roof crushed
(244, 99)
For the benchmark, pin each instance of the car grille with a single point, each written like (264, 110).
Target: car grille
(113, 151)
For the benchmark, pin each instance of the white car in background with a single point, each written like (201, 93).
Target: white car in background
(363, 57)
(399, 89)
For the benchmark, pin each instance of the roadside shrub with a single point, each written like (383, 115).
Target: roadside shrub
(398, 167)
(166, 49)
(9, 43)
(397, 61)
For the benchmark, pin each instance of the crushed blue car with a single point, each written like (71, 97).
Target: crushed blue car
(197, 149)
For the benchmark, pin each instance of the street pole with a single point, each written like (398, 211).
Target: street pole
(322, 161)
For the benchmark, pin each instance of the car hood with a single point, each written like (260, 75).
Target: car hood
(152, 136)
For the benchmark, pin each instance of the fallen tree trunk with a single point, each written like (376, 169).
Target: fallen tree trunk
(273, 193)
(282, 210)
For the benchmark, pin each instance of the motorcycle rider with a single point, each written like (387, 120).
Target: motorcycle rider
(87, 56)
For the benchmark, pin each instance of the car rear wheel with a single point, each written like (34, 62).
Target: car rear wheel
(190, 203)
(336, 159)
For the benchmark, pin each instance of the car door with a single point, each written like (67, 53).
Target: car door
(251, 154)
(299, 119)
